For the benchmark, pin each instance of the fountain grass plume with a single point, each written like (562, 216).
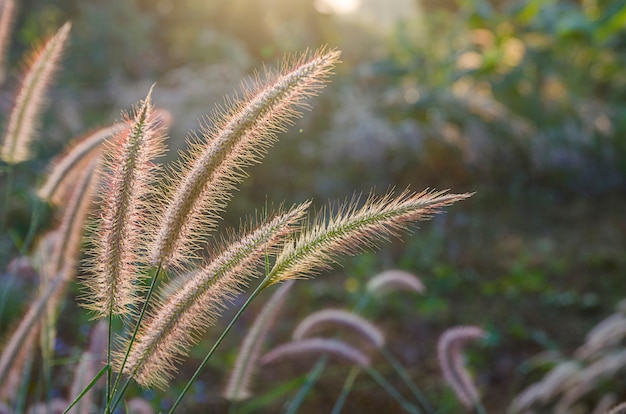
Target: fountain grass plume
(450, 355)
(181, 313)
(29, 102)
(7, 16)
(201, 183)
(115, 265)
(339, 318)
(352, 229)
(334, 347)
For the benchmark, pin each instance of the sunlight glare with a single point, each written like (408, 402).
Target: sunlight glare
(337, 6)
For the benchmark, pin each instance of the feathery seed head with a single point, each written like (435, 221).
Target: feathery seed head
(29, 102)
(394, 280)
(339, 318)
(240, 136)
(120, 238)
(450, 354)
(318, 346)
(64, 258)
(353, 228)
(7, 15)
(72, 162)
(176, 321)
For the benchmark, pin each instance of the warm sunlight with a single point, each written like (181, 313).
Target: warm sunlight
(337, 6)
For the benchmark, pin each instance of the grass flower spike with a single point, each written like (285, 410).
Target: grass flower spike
(338, 318)
(119, 241)
(450, 354)
(334, 347)
(73, 161)
(7, 15)
(391, 280)
(352, 229)
(240, 137)
(183, 312)
(24, 117)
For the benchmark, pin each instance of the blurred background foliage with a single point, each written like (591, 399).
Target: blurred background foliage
(523, 101)
(511, 93)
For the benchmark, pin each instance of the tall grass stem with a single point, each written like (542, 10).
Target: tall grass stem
(132, 340)
(345, 390)
(219, 340)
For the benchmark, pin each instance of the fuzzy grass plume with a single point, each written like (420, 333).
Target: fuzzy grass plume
(318, 346)
(352, 229)
(339, 318)
(391, 280)
(450, 354)
(203, 181)
(184, 311)
(120, 238)
(7, 16)
(24, 118)
(72, 162)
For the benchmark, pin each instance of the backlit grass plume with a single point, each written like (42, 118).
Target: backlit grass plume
(119, 239)
(178, 318)
(339, 318)
(240, 136)
(72, 162)
(139, 227)
(7, 15)
(24, 118)
(354, 228)
(450, 354)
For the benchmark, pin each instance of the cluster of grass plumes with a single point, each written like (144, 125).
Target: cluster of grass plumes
(347, 337)
(588, 381)
(151, 260)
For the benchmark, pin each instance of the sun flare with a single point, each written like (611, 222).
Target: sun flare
(337, 6)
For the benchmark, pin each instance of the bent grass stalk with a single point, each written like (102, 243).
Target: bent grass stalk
(450, 355)
(380, 284)
(68, 164)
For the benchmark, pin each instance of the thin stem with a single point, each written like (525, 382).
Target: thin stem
(7, 287)
(345, 390)
(419, 396)
(480, 409)
(109, 375)
(22, 396)
(8, 189)
(219, 340)
(391, 390)
(46, 356)
(34, 223)
(130, 344)
(311, 378)
(90, 386)
(233, 406)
